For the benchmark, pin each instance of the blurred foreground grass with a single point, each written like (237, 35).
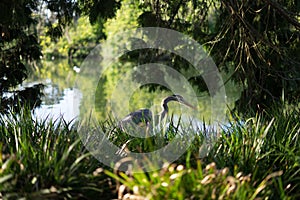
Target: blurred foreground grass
(256, 159)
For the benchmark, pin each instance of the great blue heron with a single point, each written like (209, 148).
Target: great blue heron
(144, 116)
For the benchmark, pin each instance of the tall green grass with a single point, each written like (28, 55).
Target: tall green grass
(45, 159)
(253, 158)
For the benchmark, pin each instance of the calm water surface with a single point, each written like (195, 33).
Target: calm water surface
(66, 106)
(62, 99)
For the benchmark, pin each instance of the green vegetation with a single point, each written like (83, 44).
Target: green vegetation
(255, 44)
(258, 41)
(77, 42)
(46, 160)
(253, 158)
(28, 26)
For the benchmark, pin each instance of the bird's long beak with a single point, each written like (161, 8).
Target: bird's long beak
(188, 104)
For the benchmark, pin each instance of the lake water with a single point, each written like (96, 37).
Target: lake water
(67, 105)
(63, 99)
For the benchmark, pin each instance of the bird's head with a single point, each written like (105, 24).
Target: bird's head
(180, 99)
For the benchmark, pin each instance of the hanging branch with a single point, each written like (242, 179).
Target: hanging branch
(174, 13)
(284, 13)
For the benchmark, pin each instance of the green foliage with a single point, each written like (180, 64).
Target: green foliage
(22, 22)
(62, 13)
(29, 97)
(98, 9)
(79, 39)
(258, 40)
(46, 160)
(19, 39)
(180, 182)
(261, 38)
(253, 158)
(18, 43)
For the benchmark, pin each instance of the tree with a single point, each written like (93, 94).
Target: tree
(19, 42)
(259, 40)
(262, 39)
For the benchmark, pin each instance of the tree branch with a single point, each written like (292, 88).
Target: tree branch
(284, 13)
(174, 13)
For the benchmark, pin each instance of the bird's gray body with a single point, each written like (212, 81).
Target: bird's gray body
(138, 117)
(145, 117)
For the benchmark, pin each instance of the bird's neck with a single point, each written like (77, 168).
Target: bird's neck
(165, 107)
(165, 110)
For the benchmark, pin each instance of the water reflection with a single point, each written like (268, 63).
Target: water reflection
(52, 93)
(62, 99)
(59, 104)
